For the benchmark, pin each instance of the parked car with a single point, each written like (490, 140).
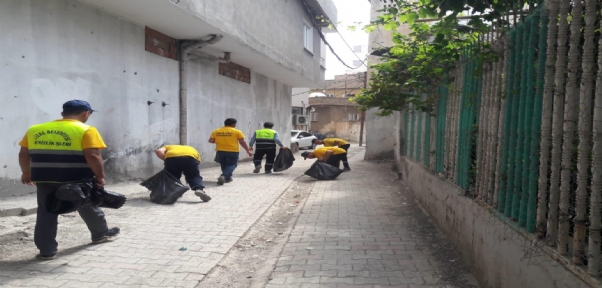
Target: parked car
(320, 136)
(302, 139)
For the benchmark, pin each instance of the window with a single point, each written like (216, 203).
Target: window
(357, 63)
(308, 37)
(353, 117)
(314, 117)
(357, 49)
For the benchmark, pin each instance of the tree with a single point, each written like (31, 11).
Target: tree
(425, 60)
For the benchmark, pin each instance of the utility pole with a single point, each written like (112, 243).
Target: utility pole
(363, 113)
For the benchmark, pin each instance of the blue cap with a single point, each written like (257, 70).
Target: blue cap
(77, 105)
(304, 155)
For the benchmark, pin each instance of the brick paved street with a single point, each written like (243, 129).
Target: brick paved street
(362, 230)
(147, 253)
(366, 231)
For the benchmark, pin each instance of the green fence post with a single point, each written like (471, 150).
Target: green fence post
(427, 139)
(520, 131)
(514, 113)
(441, 118)
(419, 135)
(466, 89)
(536, 124)
(412, 128)
(406, 131)
(502, 194)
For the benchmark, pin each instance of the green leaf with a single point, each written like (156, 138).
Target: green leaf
(396, 50)
(391, 25)
(412, 16)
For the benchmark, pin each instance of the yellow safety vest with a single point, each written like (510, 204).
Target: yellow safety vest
(265, 139)
(56, 151)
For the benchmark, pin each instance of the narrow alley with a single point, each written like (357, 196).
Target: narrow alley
(282, 230)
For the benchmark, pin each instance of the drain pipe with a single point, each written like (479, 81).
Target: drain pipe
(185, 48)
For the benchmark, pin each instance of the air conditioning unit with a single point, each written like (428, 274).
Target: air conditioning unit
(301, 119)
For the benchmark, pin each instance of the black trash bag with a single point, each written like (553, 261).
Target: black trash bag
(165, 188)
(322, 171)
(99, 197)
(284, 160)
(216, 159)
(67, 198)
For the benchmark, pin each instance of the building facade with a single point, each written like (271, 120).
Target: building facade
(158, 71)
(380, 131)
(335, 117)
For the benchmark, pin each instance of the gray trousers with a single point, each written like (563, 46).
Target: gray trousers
(46, 222)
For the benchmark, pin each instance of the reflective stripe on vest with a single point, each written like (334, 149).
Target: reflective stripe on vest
(56, 152)
(265, 139)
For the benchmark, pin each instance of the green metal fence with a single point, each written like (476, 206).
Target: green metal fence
(441, 116)
(509, 127)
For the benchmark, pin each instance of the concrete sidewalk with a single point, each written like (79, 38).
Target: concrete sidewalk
(362, 230)
(367, 231)
(175, 244)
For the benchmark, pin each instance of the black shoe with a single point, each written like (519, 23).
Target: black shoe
(221, 180)
(346, 169)
(201, 194)
(257, 169)
(47, 257)
(109, 236)
(229, 180)
(268, 172)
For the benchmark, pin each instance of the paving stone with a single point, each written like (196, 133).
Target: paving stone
(148, 247)
(349, 221)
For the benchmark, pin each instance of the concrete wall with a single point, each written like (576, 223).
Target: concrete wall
(213, 98)
(252, 23)
(54, 51)
(380, 133)
(500, 256)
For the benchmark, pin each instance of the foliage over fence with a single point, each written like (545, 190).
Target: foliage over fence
(507, 105)
(422, 61)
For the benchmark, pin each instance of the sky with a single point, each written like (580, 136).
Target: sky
(349, 13)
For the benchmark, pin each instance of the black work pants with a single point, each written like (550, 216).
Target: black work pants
(46, 222)
(335, 160)
(187, 165)
(346, 148)
(270, 155)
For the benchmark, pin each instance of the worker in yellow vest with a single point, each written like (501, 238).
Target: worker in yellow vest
(185, 159)
(265, 141)
(226, 140)
(59, 152)
(328, 155)
(336, 142)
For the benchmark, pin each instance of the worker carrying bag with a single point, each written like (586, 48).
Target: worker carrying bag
(284, 160)
(322, 171)
(165, 188)
(70, 197)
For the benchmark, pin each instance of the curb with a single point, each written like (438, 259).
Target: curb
(17, 211)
